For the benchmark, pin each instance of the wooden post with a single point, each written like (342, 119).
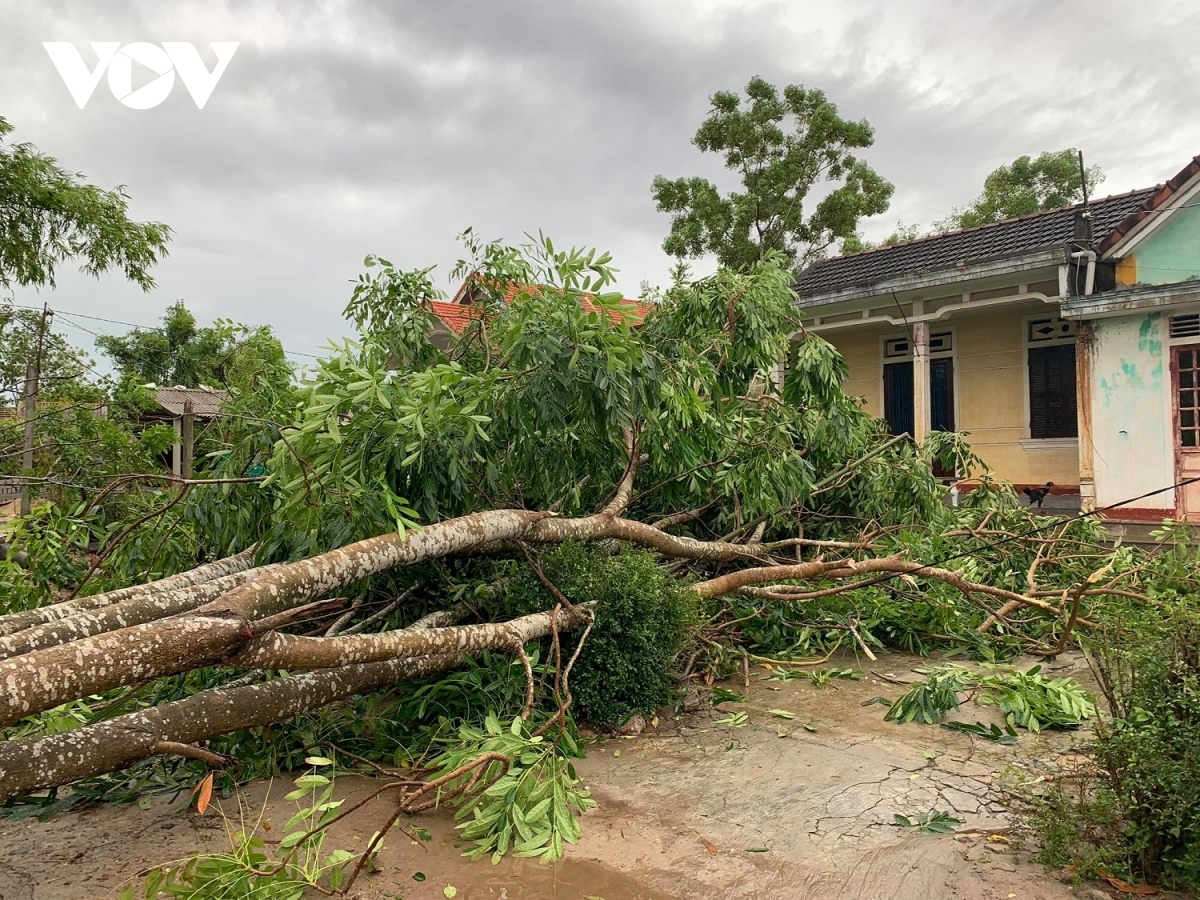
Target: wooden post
(922, 412)
(29, 413)
(186, 428)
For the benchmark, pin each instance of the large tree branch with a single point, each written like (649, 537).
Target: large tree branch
(14, 622)
(295, 654)
(36, 763)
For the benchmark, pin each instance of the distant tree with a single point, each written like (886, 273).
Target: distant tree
(781, 148)
(224, 354)
(49, 215)
(22, 333)
(1027, 185)
(901, 234)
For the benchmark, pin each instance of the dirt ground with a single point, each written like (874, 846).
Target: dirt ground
(778, 808)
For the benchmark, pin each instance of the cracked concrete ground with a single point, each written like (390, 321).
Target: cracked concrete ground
(779, 808)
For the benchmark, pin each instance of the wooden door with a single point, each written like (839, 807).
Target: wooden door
(1185, 379)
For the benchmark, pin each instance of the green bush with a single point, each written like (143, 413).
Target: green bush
(643, 620)
(1142, 810)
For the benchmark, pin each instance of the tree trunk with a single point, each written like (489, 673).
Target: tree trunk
(134, 611)
(14, 622)
(32, 764)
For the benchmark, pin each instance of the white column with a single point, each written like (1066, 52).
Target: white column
(922, 412)
(177, 448)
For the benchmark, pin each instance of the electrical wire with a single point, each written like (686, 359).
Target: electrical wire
(75, 315)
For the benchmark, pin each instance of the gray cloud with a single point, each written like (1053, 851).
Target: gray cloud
(343, 128)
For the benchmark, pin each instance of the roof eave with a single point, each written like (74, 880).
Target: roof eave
(1113, 243)
(1144, 298)
(1000, 265)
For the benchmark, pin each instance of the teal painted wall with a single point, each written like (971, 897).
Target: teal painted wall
(1131, 411)
(1172, 252)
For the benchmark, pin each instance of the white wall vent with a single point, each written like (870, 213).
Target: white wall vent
(1185, 326)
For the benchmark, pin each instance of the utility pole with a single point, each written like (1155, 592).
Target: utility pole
(29, 412)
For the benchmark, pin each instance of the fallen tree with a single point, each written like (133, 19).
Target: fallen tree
(561, 415)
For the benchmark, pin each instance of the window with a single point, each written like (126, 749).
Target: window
(1050, 356)
(1052, 411)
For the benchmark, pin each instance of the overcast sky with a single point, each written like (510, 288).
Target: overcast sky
(346, 128)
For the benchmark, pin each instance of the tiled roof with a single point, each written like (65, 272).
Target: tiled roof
(453, 315)
(1037, 231)
(206, 402)
(456, 315)
(1157, 198)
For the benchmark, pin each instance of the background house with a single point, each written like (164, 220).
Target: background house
(1048, 337)
(173, 406)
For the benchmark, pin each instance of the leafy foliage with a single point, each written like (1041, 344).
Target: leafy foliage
(251, 869)
(1028, 699)
(1026, 185)
(180, 352)
(935, 821)
(530, 805)
(993, 732)
(781, 147)
(49, 215)
(643, 618)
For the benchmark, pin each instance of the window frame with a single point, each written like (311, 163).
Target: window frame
(1064, 334)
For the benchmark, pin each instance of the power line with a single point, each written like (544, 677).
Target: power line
(75, 315)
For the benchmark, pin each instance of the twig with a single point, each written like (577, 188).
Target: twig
(527, 709)
(861, 643)
(343, 620)
(192, 752)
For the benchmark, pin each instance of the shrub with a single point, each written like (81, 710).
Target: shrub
(1141, 809)
(643, 620)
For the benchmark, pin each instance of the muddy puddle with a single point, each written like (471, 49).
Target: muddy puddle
(773, 807)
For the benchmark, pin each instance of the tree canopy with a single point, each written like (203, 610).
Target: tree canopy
(1026, 185)
(49, 216)
(182, 352)
(783, 150)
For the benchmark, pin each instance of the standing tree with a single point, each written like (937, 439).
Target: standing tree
(49, 215)
(180, 352)
(781, 148)
(1026, 186)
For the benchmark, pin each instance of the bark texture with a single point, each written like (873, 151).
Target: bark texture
(148, 607)
(36, 763)
(14, 622)
(287, 651)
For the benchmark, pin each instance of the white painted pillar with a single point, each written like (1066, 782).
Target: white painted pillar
(922, 411)
(778, 372)
(177, 448)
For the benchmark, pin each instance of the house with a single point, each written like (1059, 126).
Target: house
(456, 314)
(1066, 342)
(182, 407)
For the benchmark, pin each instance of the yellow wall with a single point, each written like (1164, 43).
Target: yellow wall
(863, 354)
(990, 392)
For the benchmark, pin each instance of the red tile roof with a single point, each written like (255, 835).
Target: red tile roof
(458, 313)
(453, 315)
